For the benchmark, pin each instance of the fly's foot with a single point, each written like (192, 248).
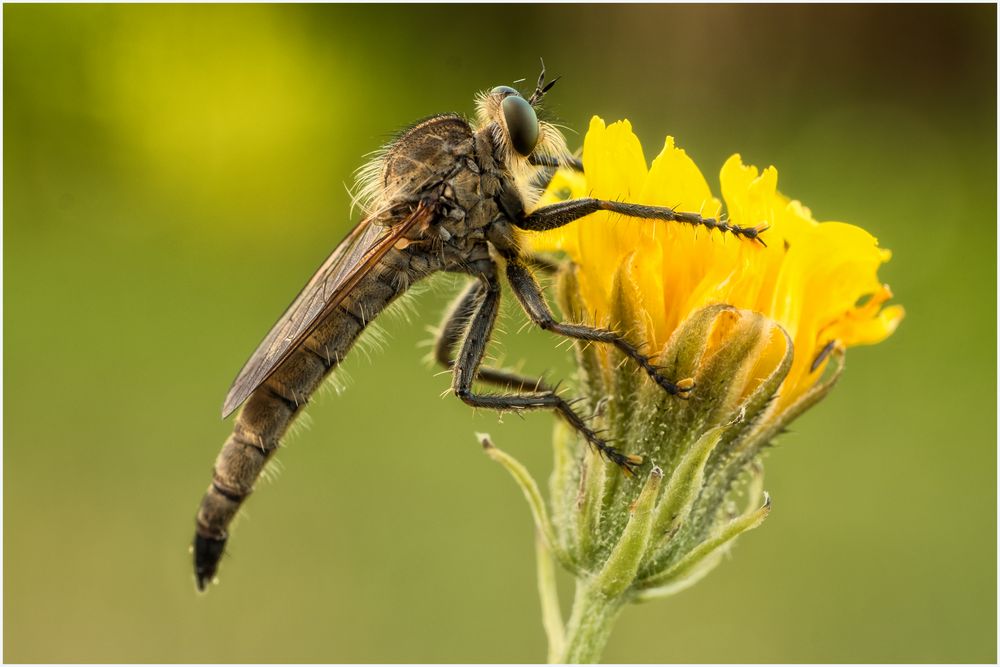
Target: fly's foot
(627, 462)
(749, 233)
(681, 389)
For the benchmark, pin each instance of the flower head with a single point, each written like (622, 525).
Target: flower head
(818, 281)
(753, 325)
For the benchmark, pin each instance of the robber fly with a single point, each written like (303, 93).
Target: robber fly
(445, 195)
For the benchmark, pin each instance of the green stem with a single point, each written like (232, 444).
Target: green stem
(551, 616)
(590, 623)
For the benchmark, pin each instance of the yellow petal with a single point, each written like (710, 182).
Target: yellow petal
(613, 160)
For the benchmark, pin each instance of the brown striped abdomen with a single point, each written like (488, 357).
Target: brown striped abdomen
(275, 404)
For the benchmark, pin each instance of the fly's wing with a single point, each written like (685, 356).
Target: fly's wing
(353, 259)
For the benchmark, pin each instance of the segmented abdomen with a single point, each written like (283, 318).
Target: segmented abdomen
(275, 404)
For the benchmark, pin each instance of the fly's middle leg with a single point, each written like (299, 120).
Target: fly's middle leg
(533, 301)
(550, 167)
(467, 365)
(450, 335)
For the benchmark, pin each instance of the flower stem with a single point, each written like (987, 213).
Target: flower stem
(590, 623)
(551, 616)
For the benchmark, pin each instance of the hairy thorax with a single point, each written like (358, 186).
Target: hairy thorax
(444, 161)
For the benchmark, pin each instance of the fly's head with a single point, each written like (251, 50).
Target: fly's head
(518, 134)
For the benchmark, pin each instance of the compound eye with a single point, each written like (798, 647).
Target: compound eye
(505, 91)
(522, 124)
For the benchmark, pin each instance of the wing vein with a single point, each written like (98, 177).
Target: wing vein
(352, 260)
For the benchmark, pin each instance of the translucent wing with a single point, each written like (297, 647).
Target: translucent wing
(352, 260)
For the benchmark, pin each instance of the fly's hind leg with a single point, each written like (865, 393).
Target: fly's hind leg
(467, 365)
(450, 334)
(530, 295)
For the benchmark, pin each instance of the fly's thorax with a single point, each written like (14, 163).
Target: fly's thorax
(464, 173)
(420, 157)
(433, 160)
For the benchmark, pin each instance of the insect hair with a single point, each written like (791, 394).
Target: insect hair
(405, 308)
(301, 424)
(274, 467)
(368, 184)
(369, 190)
(336, 381)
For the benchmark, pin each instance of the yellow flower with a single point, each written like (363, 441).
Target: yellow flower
(752, 325)
(817, 280)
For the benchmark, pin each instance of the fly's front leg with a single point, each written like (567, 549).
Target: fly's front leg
(551, 165)
(450, 334)
(467, 364)
(530, 295)
(574, 163)
(563, 213)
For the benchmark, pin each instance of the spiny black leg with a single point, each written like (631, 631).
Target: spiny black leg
(471, 355)
(574, 163)
(455, 321)
(557, 215)
(530, 295)
(542, 179)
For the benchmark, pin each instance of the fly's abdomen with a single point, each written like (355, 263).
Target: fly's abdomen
(272, 408)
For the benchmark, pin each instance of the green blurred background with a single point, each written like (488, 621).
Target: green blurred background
(172, 175)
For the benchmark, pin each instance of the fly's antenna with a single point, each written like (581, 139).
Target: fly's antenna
(541, 87)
